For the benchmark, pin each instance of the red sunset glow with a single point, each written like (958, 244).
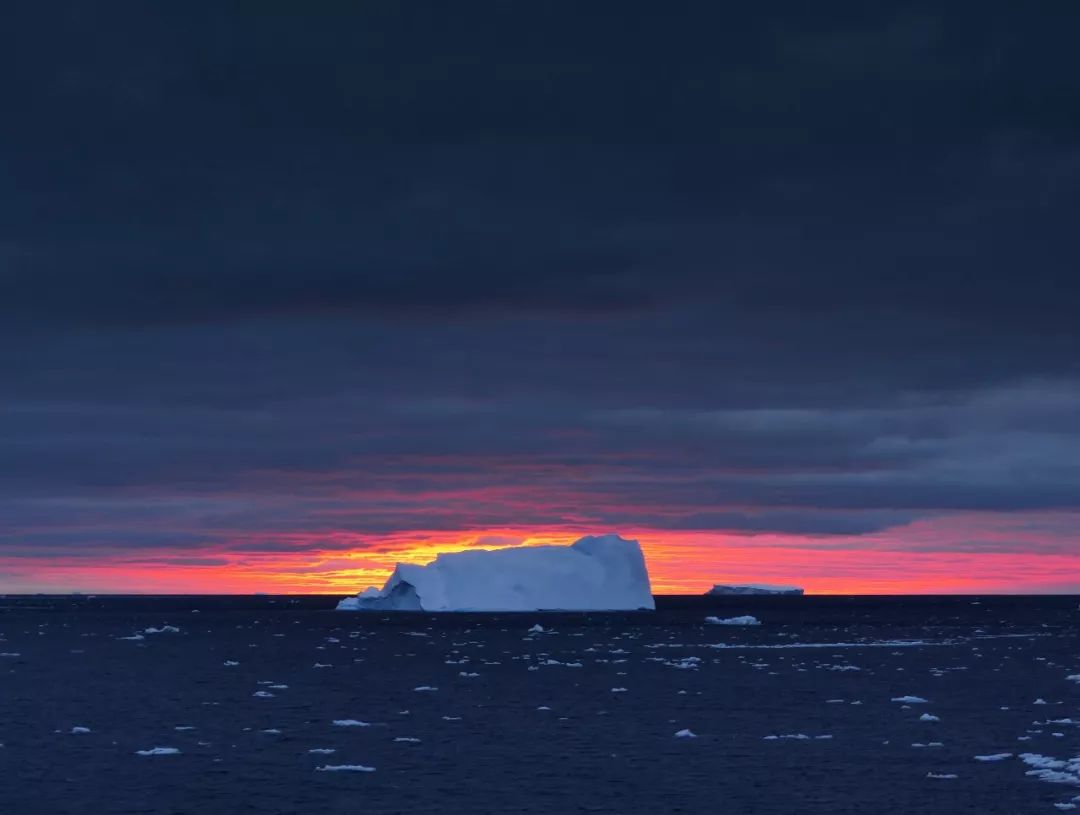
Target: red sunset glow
(679, 563)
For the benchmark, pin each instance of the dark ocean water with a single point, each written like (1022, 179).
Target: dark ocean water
(485, 743)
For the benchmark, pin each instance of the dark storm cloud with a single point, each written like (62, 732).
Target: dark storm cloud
(271, 272)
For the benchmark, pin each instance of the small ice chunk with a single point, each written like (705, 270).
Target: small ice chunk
(744, 620)
(424, 688)
(910, 700)
(929, 717)
(75, 731)
(323, 751)
(344, 768)
(350, 723)
(537, 629)
(686, 734)
(618, 690)
(158, 751)
(994, 757)
(942, 775)
(407, 739)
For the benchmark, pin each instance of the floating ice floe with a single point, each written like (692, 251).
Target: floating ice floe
(911, 700)
(344, 768)
(1053, 770)
(350, 723)
(744, 620)
(158, 751)
(425, 689)
(929, 717)
(597, 573)
(322, 751)
(792, 645)
(407, 740)
(75, 731)
(942, 775)
(994, 757)
(165, 629)
(686, 663)
(685, 734)
(263, 694)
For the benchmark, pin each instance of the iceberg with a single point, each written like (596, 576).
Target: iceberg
(752, 588)
(596, 573)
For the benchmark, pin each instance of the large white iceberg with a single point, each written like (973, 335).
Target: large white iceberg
(597, 573)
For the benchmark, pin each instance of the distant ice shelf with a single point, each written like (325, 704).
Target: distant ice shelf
(752, 588)
(596, 573)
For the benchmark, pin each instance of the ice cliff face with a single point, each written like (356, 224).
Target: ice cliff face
(597, 573)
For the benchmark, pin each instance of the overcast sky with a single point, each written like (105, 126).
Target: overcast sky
(309, 284)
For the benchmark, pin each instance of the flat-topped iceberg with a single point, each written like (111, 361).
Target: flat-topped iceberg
(596, 573)
(752, 588)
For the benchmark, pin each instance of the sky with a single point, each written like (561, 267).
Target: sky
(787, 292)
